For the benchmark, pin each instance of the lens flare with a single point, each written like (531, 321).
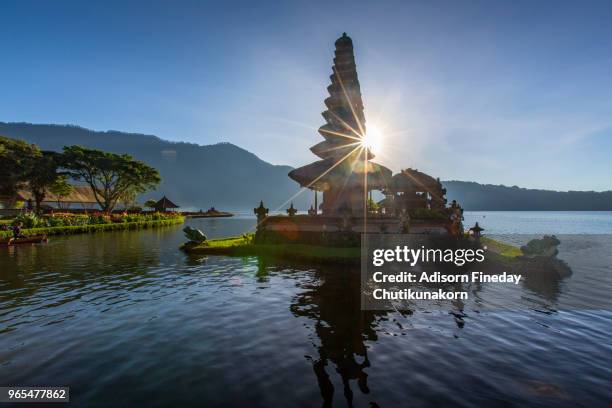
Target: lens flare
(372, 139)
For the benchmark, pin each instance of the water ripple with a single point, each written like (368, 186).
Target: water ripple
(124, 318)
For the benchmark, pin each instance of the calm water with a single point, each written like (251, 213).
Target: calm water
(125, 319)
(542, 222)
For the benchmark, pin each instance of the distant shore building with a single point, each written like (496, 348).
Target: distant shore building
(164, 204)
(81, 197)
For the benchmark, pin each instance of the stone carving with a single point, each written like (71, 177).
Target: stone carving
(291, 210)
(476, 231)
(194, 235)
(545, 247)
(261, 212)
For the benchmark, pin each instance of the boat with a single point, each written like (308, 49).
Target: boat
(34, 239)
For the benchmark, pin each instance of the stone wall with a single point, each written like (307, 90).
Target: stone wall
(340, 231)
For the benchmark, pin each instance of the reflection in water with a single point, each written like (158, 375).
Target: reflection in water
(121, 263)
(125, 318)
(546, 285)
(332, 301)
(543, 278)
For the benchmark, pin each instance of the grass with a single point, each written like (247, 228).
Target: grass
(84, 229)
(239, 246)
(228, 242)
(501, 248)
(498, 251)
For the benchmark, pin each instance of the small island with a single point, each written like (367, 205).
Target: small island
(347, 179)
(330, 232)
(212, 212)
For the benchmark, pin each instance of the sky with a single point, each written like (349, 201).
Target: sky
(514, 93)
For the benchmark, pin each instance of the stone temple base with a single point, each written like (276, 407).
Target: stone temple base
(341, 231)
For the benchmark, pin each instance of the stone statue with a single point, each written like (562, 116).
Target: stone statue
(540, 262)
(476, 231)
(312, 211)
(261, 212)
(545, 247)
(194, 235)
(291, 210)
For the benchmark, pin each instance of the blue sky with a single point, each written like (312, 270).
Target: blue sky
(515, 93)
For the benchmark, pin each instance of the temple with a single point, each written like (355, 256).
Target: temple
(414, 202)
(345, 174)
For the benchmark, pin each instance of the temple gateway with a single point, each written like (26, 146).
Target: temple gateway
(346, 176)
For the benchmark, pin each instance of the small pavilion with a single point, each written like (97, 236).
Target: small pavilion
(411, 189)
(164, 204)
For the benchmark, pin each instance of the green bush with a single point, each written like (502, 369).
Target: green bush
(97, 218)
(157, 216)
(55, 222)
(28, 220)
(65, 220)
(88, 228)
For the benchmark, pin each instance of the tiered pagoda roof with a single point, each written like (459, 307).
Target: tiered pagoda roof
(345, 159)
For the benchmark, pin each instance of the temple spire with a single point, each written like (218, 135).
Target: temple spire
(344, 117)
(345, 172)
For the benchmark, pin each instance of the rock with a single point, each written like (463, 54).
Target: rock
(540, 258)
(194, 235)
(543, 247)
(547, 267)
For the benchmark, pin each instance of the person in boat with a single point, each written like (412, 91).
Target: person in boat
(17, 231)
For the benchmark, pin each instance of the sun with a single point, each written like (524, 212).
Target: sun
(372, 139)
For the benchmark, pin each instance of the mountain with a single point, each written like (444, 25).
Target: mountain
(221, 175)
(475, 197)
(230, 178)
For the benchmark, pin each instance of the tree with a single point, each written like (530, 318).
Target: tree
(150, 204)
(61, 188)
(128, 198)
(372, 205)
(16, 159)
(42, 174)
(109, 175)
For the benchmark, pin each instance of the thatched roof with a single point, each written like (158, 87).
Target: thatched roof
(327, 149)
(78, 195)
(165, 203)
(345, 159)
(411, 179)
(344, 174)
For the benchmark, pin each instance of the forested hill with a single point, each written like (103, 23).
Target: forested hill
(229, 177)
(221, 175)
(474, 196)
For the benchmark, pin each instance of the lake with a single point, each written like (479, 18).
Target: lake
(126, 319)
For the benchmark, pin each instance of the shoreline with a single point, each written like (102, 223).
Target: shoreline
(220, 214)
(239, 246)
(92, 228)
